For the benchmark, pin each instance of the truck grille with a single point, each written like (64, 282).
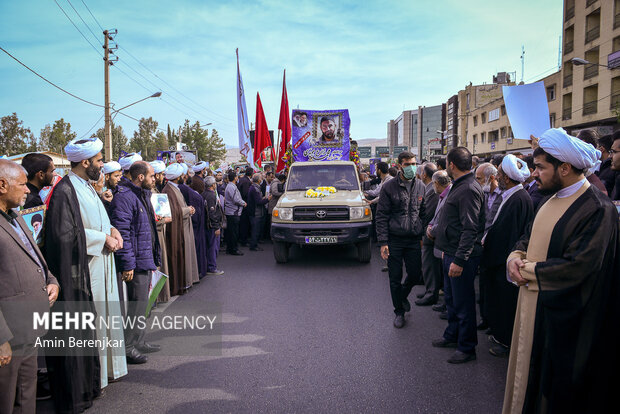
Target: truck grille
(321, 214)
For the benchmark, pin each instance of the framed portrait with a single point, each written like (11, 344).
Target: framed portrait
(327, 128)
(161, 205)
(35, 218)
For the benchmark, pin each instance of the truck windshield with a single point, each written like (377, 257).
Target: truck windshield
(302, 177)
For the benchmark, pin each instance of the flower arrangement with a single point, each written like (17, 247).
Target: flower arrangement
(320, 192)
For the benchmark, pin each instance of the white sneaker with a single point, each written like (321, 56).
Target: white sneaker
(217, 272)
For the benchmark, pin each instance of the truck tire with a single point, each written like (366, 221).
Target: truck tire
(364, 251)
(280, 252)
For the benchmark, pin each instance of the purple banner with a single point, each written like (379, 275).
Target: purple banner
(321, 135)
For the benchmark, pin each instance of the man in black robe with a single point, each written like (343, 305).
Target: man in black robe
(514, 214)
(75, 376)
(569, 258)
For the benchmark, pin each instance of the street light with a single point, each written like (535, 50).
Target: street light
(155, 95)
(582, 62)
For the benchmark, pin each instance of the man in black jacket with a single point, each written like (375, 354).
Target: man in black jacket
(215, 216)
(40, 169)
(399, 232)
(431, 266)
(460, 228)
(244, 185)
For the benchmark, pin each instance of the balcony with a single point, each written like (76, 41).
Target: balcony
(590, 108)
(590, 72)
(568, 80)
(570, 13)
(567, 113)
(593, 34)
(590, 2)
(615, 102)
(568, 47)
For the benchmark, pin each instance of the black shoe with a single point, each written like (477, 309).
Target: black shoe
(147, 348)
(135, 357)
(256, 249)
(406, 305)
(384, 269)
(499, 351)
(399, 321)
(482, 325)
(444, 315)
(488, 331)
(461, 357)
(420, 295)
(443, 343)
(427, 301)
(244, 244)
(43, 392)
(236, 253)
(440, 307)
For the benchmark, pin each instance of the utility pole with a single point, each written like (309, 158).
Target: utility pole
(522, 61)
(107, 62)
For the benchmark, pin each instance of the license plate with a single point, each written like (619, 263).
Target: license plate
(321, 240)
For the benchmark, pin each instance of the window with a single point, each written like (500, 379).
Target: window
(593, 26)
(483, 117)
(494, 115)
(569, 37)
(475, 139)
(551, 93)
(502, 132)
(503, 110)
(568, 74)
(590, 100)
(475, 120)
(616, 44)
(591, 71)
(482, 137)
(494, 136)
(617, 14)
(567, 106)
(552, 120)
(468, 102)
(615, 93)
(510, 132)
(569, 10)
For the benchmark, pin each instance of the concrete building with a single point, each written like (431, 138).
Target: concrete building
(590, 93)
(487, 128)
(61, 162)
(418, 129)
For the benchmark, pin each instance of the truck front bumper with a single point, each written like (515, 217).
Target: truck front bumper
(345, 233)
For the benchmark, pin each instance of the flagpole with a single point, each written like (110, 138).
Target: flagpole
(275, 165)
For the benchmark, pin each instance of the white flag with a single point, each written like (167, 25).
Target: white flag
(245, 145)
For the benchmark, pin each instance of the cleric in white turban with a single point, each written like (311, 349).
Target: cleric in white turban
(200, 166)
(184, 167)
(158, 166)
(127, 161)
(515, 168)
(110, 167)
(173, 171)
(83, 149)
(561, 146)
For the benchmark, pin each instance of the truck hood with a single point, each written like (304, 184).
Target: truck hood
(349, 198)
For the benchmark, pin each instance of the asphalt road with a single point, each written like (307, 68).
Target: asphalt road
(313, 335)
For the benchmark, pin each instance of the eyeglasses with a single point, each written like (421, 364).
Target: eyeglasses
(613, 151)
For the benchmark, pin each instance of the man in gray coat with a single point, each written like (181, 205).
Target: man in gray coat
(233, 207)
(27, 284)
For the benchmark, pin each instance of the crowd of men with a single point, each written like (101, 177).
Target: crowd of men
(539, 232)
(103, 240)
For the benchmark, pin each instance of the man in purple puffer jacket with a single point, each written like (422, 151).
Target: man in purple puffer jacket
(134, 217)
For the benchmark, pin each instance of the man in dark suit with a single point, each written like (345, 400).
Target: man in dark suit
(431, 266)
(27, 284)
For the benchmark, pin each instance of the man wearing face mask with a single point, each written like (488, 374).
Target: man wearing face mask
(399, 232)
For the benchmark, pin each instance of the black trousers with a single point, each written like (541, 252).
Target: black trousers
(232, 233)
(137, 297)
(500, 303)
(244, 226)
(257, 224)
(403, 250)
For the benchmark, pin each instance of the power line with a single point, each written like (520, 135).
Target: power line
(87, 26)
(76, 28)
(93, 16)
(91, 128)
(51, 83)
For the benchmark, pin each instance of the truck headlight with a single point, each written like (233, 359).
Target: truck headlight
(283, 213)
(356, 213)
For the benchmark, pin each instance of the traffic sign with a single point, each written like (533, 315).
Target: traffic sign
(398, 149)
(383, 152)
(364, 152)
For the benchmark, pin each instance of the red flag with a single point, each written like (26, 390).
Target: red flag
(284, 125)
(261, 132)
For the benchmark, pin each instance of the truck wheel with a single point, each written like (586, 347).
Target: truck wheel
(364, 251)
(280, 252)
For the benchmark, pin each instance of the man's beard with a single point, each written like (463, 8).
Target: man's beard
(93, 172)
(552, 187)
(146, 186)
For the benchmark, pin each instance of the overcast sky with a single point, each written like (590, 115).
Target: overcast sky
(373, 58)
